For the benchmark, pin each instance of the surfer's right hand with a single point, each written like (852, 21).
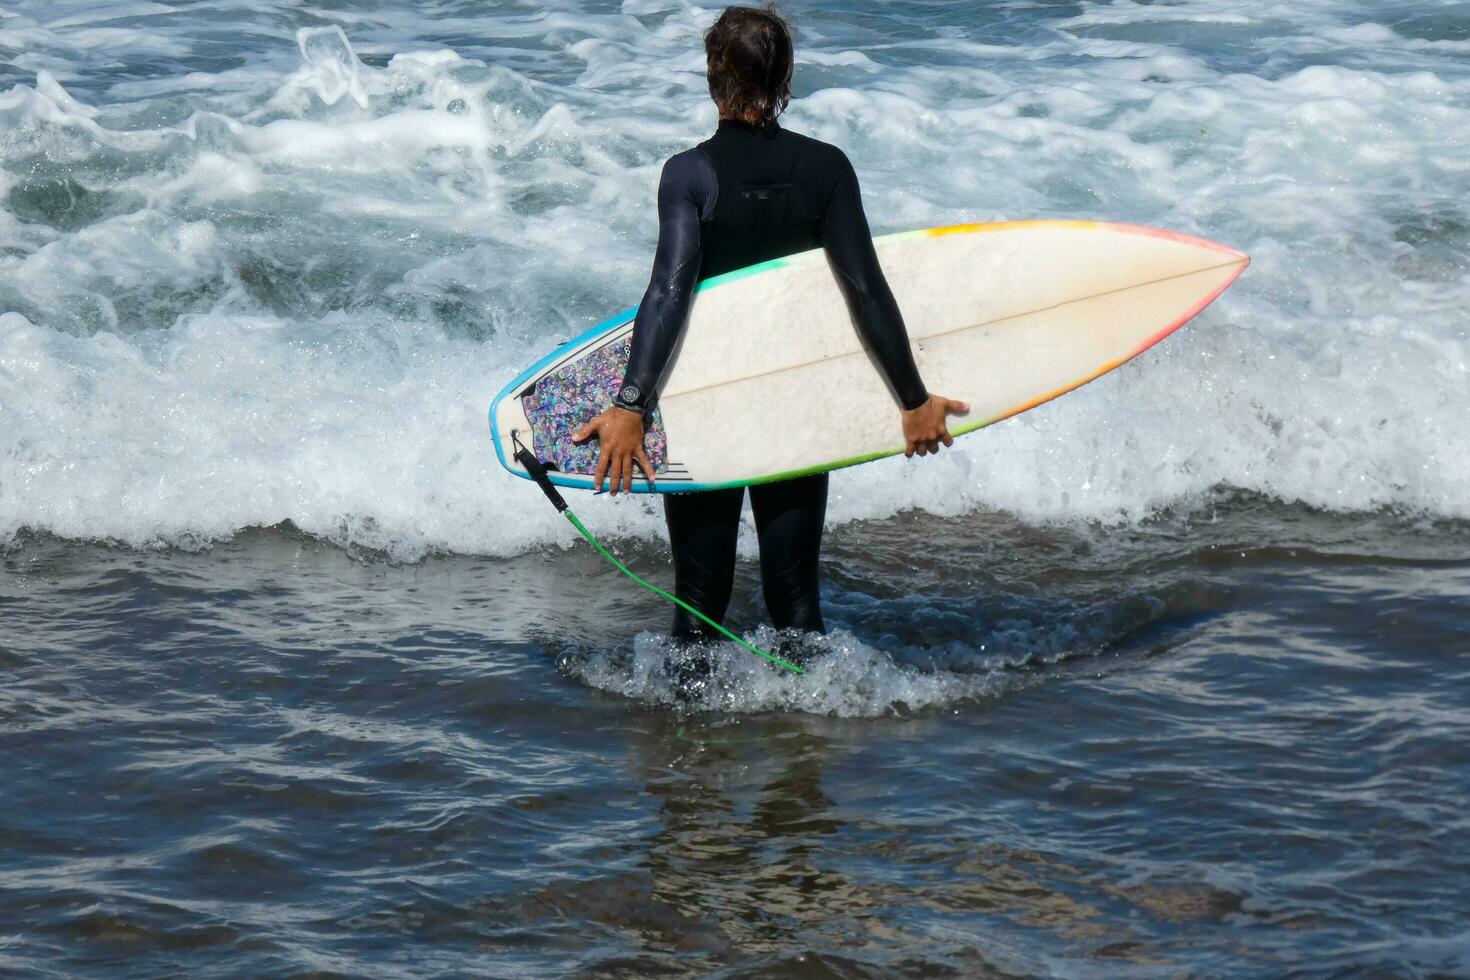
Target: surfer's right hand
(924, 428)
(619, 435)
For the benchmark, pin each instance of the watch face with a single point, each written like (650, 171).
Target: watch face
(629, 394)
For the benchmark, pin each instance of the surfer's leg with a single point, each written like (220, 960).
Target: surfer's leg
(702, 531)
(788, 518)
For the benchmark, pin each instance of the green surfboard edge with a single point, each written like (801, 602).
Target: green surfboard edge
(955, 431)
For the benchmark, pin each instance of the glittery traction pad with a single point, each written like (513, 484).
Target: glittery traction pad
(574, 394)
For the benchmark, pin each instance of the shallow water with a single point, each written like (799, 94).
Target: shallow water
(1225, 745)
(1170, 676)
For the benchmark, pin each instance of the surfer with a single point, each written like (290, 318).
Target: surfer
(751, 192)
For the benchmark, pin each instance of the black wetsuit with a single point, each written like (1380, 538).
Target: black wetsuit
(745, 195)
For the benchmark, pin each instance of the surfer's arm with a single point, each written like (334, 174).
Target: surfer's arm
(686, 193)
(875, 313)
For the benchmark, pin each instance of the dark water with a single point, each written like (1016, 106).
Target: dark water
(1232, 744)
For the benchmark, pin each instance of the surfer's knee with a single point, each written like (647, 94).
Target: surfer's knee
(793, 596)
(709, 596)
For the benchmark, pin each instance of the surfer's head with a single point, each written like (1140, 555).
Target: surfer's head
(750, 56)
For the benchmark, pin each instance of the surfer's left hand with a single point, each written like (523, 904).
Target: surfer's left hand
(925, 427)
(619, 433)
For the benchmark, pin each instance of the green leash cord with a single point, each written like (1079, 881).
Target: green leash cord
(577, 523)
(538, 473)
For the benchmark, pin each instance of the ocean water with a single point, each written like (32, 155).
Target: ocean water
(1168, 677)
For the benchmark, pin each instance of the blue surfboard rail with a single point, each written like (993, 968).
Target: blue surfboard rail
(607, 326)
(514, 388)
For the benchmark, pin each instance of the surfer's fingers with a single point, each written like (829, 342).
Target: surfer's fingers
(959, 408)
(585, 431)
(627, 466)
(642, 459)
(908, 448)
(948, 439)
(600, 472)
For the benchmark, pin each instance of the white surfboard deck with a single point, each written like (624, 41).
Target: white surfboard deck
(770, 379)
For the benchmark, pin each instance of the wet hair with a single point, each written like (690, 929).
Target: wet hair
(750, 55)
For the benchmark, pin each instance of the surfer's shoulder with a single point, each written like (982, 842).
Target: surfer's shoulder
(808, 143)
(824, 161)
(691, 172)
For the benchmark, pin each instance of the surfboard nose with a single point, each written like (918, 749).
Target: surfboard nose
(1184, 239)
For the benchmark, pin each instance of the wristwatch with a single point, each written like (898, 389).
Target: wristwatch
(631, 397)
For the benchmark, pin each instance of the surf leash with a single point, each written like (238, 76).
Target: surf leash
(537, 469)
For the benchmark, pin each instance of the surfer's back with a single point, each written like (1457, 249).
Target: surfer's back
(770, 189)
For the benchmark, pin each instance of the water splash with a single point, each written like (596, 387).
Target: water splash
(239, 297)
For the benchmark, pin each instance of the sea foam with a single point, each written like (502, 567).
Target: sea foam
(286, 290)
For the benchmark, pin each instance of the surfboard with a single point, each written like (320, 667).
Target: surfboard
(770, 379)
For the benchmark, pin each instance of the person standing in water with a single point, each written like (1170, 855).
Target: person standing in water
(751, 192)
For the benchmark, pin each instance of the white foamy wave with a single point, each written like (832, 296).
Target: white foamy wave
(844, 678)
(238, 295)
